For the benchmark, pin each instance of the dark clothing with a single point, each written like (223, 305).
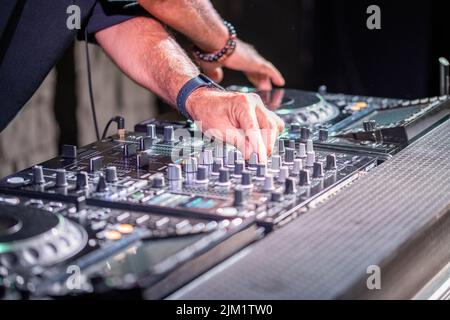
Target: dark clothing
(33, 37)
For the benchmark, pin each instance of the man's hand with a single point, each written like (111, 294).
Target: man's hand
(260, 72)
(146, 52)
(239, 119)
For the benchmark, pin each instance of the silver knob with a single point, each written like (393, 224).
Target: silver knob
(310, 158)
(38, 175)
(61, 179)
(269, 183)
(302, 151)
(309, 145)
(298, 165)
(151, 131)
(174, 172)
(284, 174)
(276, 163)
(253, 161)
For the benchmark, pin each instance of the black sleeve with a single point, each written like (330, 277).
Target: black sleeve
(108, 13)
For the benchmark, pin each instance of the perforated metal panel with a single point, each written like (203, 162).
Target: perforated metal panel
(327, 251)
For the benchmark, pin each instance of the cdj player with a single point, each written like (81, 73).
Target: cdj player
(146, 212)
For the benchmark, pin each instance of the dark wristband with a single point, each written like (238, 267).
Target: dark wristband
(190, 86)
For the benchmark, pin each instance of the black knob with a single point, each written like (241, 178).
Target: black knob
(239, 167)
(101, 184)
(261, 170)
(217, 165)
(95, 163)
(129, 150)
(276, 196)
(304, 178)
(295, 127)
(246, 179)
(145, 143)
(318, 170)
(82, 180)
(158, 181)
(292, 144)
(281, 147)
(290, 186)
(61, 179)
(224, 175)
(331, 162)
(305, 134)
(151, 131)
(289, 156)
(233, 156)
(253, 162)
(169, 134)
(323, 135)
(202, 174)
(38, 175)
(239, 197)
(69, 152)
(111, 174)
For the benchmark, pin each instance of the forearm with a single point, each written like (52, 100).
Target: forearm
(144, 50)
(197, 19)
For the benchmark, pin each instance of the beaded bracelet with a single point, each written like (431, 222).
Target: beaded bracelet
(225, 52)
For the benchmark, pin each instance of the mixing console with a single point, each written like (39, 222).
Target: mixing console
(152, 209)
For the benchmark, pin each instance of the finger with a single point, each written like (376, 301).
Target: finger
(248, 121)
(269, 129)
(213, 72)
(260, 81)
(278, 121)
(275, 75)
(276, 99)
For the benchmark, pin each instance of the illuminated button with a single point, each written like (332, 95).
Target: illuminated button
(125, 228)
(16, 181)
(359, 106)
(227, 212)
(113, 235)
(142, 220)
(162, 222)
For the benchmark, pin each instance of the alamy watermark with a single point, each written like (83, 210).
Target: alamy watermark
(73, 21)
(374, 19)
(374, 280)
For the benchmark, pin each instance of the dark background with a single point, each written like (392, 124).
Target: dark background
(316, 42)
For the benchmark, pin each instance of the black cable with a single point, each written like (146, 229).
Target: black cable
(91, 92)
(120, 125)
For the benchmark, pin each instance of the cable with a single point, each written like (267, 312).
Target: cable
(120, 126)
(91, 91)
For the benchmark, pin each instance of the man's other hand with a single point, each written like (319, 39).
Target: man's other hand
(260, 72)
(239, 119)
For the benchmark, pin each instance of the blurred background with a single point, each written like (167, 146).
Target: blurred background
(312, 42)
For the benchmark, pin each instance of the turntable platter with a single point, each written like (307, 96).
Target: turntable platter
(296, 106)
(34, 237)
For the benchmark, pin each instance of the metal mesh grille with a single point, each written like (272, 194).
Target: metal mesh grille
(325, 252)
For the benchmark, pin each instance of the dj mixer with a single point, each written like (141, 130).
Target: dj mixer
(143, 213)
